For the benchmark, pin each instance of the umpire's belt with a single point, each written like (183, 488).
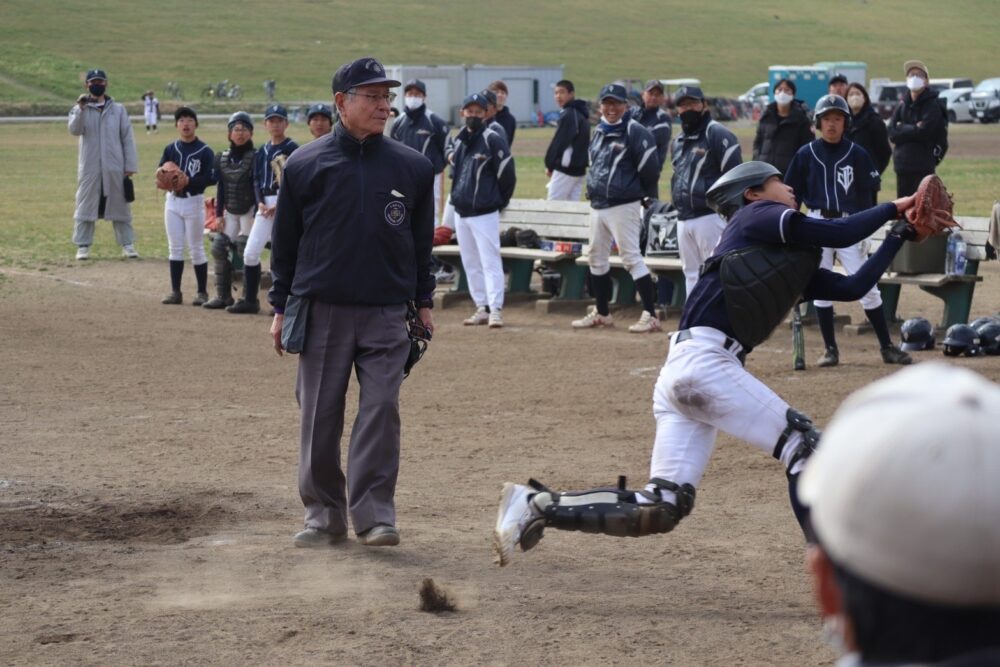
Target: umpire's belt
(714, 336)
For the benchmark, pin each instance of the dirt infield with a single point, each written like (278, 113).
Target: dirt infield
(148, 494)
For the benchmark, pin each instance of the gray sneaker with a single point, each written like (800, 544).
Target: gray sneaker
(129, 251)
(379, 536)
(314, 537)
(173, 299)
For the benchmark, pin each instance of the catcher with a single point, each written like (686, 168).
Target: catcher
(186, 169)
(767, 260)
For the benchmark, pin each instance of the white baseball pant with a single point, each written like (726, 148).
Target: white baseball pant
(438, 193)
(564, 187)
(237, 225)
(184, 218)
(851, 258)
(621, 225)
(260, 234)
(696, 240)
(479, 246)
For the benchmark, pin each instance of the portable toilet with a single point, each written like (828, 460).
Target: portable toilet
(855, 71)
(810, 82)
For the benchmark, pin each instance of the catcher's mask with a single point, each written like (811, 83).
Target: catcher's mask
(419, 335)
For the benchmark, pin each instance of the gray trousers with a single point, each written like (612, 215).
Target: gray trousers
(83, 232)
(372, 341)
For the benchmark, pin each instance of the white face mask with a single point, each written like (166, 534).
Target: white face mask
(915, 83)
(783, 98)
(413, 101)
(856, 102)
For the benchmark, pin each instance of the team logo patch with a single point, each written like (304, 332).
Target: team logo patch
(395, 212)
(845, 176)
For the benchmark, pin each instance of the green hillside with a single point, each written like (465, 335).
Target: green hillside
(45, 45)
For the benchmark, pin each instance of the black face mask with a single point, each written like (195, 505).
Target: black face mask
(474, 123)
(691, 120)
(97, 89)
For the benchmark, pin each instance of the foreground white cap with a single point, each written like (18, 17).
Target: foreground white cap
(904, 489)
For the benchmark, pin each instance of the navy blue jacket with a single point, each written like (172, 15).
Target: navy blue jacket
(623, 164)
(699, 159)
(916, 127)
(774, 223)
(658, 122)
(508, 123)
(423, 131)
(354, 224)
(196, 160)
(484, 173)
(834, 177)
(567, 152)
(263, 175)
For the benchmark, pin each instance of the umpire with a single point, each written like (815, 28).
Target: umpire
(352, 234)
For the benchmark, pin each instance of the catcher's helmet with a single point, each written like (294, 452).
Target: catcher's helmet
(725, 197)
(917, 334)
(831, 103)
(961, 339)
(989, 336)
(240, 117)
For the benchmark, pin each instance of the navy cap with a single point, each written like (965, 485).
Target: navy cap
(96, 74)
(694, 92)
(362, 72)
(490, 96)
(415, 83)
(653, 83)
(187, 111)
(615, 91)
(476, 98)
(320, 109)
(276, 110)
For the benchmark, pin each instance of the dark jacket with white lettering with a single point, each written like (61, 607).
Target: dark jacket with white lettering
(699, 159)
(623, 164)
(423, 131)
(354, 223)
(567, 152)
(484, 173)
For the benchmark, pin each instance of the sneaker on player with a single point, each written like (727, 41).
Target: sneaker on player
(593, 319)
(201, 299)
(515, 516)
(83, 252)
(129, 251)
(893, 355)
(647, 324)
(496, 319)
(173, 299)
(481, 316)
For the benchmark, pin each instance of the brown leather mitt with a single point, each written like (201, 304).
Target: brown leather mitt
(931, 214)
(169, 177)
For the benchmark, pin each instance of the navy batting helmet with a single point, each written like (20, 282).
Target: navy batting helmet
(240, 117)
(961, 339)
(989, 336)
(831, 103)
(980, 321)
(917, 334)
(725, 197)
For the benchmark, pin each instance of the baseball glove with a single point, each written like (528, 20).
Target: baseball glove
(278, 166)
(931, 214)
(171, 178)
(443, 235)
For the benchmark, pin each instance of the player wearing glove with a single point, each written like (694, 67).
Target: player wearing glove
(766, 260)
(931, 214)
(186, 169)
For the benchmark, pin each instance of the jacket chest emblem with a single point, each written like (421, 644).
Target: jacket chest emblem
(395, 212)
(845, 177)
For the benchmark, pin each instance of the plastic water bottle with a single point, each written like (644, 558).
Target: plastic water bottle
(949, 254)
(961, 250)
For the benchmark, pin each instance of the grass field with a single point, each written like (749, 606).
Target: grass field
(44, 46)
(38, 192)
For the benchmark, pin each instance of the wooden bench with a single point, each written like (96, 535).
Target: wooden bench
(955, 291)
(664, 267)
(551, 220)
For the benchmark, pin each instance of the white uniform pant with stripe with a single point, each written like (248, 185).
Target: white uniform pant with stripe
(564, 187)
(438, 193)
(619, 224)
(703, 389)
(260, 234)
(184, 218)
(851, 258)
(696, 240)
(237, 225)
(479, 245)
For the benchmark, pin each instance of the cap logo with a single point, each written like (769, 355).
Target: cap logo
(395, 212)
(374, 66)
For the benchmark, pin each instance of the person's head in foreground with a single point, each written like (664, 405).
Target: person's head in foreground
(746, 183)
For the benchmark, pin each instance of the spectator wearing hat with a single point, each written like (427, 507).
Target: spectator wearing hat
(320, 120)
(624, 169)
(703, 152)
(837, 85)
(503, 115)
(107, 157)
(657, 121)
(184, 211)
(566, 156)
(352, 236)
(484, 184)
(423, 131)
(918, 130)
(903, 496)
(266, 183)
(784, 127)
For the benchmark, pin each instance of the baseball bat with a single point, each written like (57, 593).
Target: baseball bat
(798, 340)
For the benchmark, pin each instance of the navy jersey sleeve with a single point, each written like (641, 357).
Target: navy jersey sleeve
(167, 157)
(566, 129)
(833, 286)
(871, 180)
(838, 233)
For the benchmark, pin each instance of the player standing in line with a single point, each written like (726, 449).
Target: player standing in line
(151, 110)
(320, 120)
(184, 211)
(657, 121)
(566, 156)
(624, 169)
(703, 387)
(704, 151)
(234, 203)
(424, 131)
(266, 190)
(836, 177)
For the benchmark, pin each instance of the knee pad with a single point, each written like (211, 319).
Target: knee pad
(801, 423)
(220, 247)
(241, 243)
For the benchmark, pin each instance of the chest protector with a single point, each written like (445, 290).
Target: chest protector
(238, 179)
(760, 284)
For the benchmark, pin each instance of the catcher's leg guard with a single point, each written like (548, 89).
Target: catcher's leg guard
(614, 511)
(798, 422)
(220, 250)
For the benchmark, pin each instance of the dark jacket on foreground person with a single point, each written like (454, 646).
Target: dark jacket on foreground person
(780, 137)
(572, 132)
(868, 130)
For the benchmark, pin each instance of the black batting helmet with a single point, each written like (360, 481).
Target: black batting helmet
(980, 321)
(240, 117)
(917, 334)
(829, 104)
(725, 197)
(989, 336)
(961, 339)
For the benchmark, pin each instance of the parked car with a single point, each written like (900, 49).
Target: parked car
(985, 103)
(957, 103)
(949, 84)
(889, 97)
(758, 91)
